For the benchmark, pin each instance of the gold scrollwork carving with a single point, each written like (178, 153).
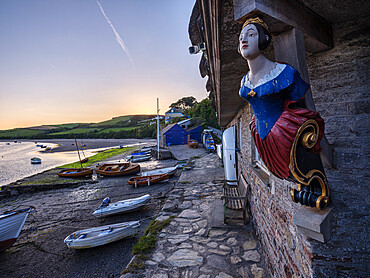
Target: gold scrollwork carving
(314, 179)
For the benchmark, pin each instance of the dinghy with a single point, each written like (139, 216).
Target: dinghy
(35, 160)
(101, 235)
(11, 224)
(117, 169)
(169, 170)
(148, 180)
(146, 149)
(75, 173)
(140, 159)
(107, 208)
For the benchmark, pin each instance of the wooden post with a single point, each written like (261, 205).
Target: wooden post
(289, 48)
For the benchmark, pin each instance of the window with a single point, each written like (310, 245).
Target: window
(257, 161)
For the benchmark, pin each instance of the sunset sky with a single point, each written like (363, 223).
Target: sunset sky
(65, 61)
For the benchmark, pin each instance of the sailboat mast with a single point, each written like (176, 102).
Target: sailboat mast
(158, 128)
(78, 153)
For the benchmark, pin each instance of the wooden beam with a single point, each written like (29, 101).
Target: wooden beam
(282, 15)
(289, 48)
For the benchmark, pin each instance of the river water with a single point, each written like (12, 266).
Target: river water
(15, 160)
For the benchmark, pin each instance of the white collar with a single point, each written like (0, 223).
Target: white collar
(268, 77)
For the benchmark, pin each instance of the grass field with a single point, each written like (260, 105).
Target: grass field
(74, 131)
(112, 122)
(117, 129)
(66, 125)
(19, 132)
(99, 157)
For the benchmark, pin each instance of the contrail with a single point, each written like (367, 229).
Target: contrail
(118, 38)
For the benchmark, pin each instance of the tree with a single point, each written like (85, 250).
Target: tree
(205, 111)
(184, 103)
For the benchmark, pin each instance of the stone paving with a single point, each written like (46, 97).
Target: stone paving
(189, 246)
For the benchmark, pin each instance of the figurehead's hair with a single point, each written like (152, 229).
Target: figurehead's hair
(264, 36)
(257, 20)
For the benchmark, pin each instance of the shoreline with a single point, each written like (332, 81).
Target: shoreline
(67, 145)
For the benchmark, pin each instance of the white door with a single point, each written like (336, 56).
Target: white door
(228, 146)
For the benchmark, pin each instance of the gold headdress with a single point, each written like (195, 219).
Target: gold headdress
(256, 20)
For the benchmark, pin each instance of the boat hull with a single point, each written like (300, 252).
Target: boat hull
(123, 206)
(75, 173)
(140, 159)
(101, 235)
(148, 180)
(117, 169)
(11, 225)
(170, 170)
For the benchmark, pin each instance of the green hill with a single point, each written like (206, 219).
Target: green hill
(130, 126)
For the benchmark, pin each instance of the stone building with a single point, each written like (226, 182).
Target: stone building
(329, 44)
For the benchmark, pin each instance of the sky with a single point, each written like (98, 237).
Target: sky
(68, 61)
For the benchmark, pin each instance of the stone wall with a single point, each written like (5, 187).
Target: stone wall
(341, 90)
(340, 86)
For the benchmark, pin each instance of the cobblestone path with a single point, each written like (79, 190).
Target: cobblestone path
(189, 246)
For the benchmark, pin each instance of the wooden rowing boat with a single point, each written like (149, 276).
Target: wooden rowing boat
(128, 205)
(193, 143)
(101, 235)
(84, 160)
(75, 173)
(117, 169)
(11, 224)
(148, 180)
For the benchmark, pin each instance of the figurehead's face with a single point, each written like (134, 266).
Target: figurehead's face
(248, 42)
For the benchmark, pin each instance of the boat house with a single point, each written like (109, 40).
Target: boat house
(195, 133)
(329, 45)
(173, 134)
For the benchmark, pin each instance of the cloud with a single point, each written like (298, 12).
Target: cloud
(118, 38)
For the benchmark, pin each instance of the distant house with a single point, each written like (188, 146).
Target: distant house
(173, 134)
(195, 133)
(173, 113)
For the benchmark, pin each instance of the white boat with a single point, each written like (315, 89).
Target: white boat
(123, 206)
(131, 156)
(11, 224)
(35, 160)
(170, 170)
(101, 235)
(135, 159)
(146, 149)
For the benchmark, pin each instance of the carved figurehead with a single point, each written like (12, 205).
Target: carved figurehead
(277, 128)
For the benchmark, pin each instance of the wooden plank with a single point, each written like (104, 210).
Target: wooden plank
(282, 15)
(289, 48)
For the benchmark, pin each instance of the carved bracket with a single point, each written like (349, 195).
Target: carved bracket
(306, 168)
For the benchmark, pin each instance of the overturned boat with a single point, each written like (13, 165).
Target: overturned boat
(148, 180)
(101, 235)
(11, 224)
(169, 170)
(117, 169)
(140, 158)
(75, 173)
(128, 205)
